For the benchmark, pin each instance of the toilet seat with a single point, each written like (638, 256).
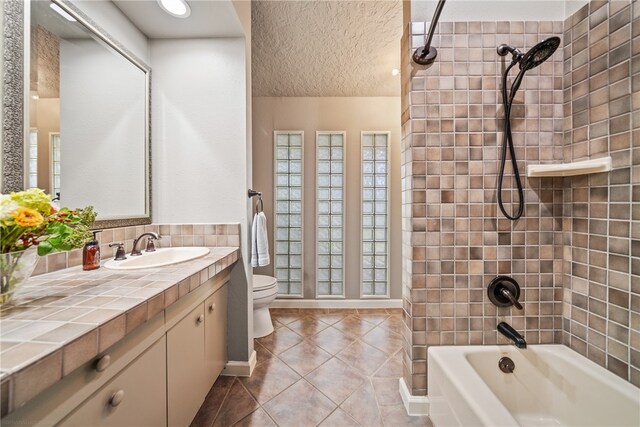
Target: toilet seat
(264, 293)
(261, 283)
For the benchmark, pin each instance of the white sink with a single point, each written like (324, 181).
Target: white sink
(162, 256)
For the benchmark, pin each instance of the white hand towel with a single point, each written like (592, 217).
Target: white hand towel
(254, 242)
(259, 241)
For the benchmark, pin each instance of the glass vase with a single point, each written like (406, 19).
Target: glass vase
(15, 269)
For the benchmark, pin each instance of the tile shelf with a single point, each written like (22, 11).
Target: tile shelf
(583, 167)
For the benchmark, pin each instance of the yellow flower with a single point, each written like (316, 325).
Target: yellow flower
(26, 217)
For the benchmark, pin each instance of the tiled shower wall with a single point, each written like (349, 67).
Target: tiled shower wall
(455, 239)
(601, 309)
(589, 276)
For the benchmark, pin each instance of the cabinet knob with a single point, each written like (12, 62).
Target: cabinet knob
(116, 398)
(200, 319)
(103, 363)
(212, 307)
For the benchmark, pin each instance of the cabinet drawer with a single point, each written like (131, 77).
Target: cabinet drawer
(135, 397)
(215, 338)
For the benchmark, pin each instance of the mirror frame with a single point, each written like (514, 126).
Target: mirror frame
(15, 99)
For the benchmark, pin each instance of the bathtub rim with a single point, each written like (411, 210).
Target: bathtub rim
(454, 363)
(486, 405)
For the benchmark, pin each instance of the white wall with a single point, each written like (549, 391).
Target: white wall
(241, 346)
(572, 6)
(102, 130)
(199, 168)
(496, 10)
(200, 144)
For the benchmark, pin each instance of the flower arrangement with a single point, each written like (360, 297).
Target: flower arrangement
(28, 218)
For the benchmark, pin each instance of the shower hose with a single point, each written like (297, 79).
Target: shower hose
(507, 142)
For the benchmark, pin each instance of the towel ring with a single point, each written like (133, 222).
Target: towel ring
(259, 204)
(253, 193)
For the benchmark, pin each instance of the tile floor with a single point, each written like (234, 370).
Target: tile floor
(319, 367)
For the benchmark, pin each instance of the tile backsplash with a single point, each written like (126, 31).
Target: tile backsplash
(211, 235)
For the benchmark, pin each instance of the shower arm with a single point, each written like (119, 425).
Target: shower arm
(427, 54)
(434, 22)
(503, 49)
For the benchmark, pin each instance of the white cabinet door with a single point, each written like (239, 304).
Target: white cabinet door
(215, 333)
(187, 384)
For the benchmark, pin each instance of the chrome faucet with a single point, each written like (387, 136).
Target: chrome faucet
(505, 329)
(150, 247)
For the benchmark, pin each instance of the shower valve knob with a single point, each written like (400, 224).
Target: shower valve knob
(504, 291)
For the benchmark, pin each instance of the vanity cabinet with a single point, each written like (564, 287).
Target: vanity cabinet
(157, 375)
(135, 397)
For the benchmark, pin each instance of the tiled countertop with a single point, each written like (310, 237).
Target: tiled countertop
(61, 320)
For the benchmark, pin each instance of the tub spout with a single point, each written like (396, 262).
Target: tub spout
(505, 329)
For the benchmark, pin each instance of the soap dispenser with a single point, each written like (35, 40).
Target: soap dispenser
(91, 253)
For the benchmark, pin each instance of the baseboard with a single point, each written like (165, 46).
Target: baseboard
(414, 405)
(239, 368)
(336, 303)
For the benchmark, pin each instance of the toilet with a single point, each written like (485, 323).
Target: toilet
(265, 289)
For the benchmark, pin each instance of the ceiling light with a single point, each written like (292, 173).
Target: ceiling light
(177, 8)
(35, 97)
(62, 12)
(395, 72)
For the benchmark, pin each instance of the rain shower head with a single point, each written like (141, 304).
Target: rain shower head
(539, 53)
(535, 56)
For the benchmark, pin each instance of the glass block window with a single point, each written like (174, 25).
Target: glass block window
(32, 169)
(375, 210)
(288, 212)
(330, 214)
(55, 164)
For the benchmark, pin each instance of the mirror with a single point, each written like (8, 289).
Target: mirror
(86, 117)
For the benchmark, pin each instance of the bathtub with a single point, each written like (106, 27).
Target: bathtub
(551, 385)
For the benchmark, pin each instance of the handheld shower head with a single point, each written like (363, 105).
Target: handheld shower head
(535, 56)
(539, 53)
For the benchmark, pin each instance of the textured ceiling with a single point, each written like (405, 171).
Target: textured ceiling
(326, 48)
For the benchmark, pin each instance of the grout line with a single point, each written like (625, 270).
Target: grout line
(224, 399)
(255, 400)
